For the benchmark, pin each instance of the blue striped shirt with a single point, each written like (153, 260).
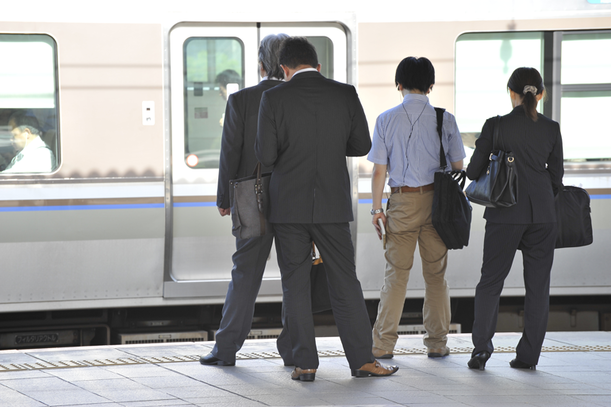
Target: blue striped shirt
(405, 139)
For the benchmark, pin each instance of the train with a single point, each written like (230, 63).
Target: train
(121, 235)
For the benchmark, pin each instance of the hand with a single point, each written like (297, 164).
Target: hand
(375, 223)
(224, 212)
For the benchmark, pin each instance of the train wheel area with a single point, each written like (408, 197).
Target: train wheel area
(94, 327)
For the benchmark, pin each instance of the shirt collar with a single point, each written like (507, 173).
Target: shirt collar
(306, 70)
(416, 96)
(273, 78)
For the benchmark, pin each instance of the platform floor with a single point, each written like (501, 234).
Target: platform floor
(574, 370)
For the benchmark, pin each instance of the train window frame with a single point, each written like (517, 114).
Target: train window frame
(551, 106)
(193, 158)
(41, 109)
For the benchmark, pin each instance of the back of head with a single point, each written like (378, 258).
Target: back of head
(228, 76)
(528, 83)
(298, 51)
(23, 120)
(269, 55)
(415, 74)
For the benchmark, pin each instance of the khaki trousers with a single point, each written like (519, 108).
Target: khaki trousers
(408, 223)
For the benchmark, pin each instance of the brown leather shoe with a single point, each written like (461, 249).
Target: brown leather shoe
(374, 369)
(381, 353)
(438, 352)
(305, 375)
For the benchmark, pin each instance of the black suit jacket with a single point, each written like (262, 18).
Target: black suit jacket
(307, 127)
(238, 142)
(537, 147)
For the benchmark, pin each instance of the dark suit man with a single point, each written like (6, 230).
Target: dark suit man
(307, 127)
(237, 161)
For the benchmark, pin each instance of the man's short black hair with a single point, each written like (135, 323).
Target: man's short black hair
(25, 120)
(415, 74)
(297, 51)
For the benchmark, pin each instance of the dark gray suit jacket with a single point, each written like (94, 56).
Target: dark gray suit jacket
(307, 127)
(537, 147)
(238, 143)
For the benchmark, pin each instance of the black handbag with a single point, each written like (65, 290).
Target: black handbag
(451, 210)
(249, 200)
(573, 217)
(497, 185)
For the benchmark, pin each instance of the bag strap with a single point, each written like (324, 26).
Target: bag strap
(259, 195)
(442, 155)
(496, 133)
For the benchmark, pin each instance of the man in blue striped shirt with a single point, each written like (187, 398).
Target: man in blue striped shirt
(406, 146)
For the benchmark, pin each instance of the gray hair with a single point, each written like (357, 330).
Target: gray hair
(269, 52)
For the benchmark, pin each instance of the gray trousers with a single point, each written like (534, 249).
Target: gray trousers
(249, 262)
(536, 241)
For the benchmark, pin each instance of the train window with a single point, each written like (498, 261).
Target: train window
(585, 81)
(28, 104)
(583, 139)
(324, 50)
(582, 59)
(484, 62)
(213, 69)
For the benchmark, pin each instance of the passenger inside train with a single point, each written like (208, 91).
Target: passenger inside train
(33, 155)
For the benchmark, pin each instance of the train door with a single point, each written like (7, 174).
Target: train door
(207, 63)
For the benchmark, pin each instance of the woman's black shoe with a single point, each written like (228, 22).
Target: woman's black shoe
(478, 361)
(517, 364)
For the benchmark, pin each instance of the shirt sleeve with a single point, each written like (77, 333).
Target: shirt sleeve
(378, 154)
(456, 148)
(231, 151)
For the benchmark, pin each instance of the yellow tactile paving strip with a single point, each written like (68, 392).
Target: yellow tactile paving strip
(40, 365)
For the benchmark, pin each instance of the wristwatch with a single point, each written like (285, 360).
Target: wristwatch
(375, 211)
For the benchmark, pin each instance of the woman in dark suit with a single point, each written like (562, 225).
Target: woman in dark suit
(529, 226)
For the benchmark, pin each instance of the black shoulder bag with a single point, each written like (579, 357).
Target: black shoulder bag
(497, 186)
(451, 210)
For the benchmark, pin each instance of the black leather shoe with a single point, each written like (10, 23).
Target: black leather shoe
(210, 360)
(518, 364)
(305, 375)
(478, 361)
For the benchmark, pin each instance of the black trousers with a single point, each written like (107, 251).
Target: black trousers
(294, 245)
(249, 261)
(536, 241)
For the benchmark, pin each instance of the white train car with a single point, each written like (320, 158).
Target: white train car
(121, 233)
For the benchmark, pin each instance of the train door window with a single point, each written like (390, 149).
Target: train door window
(484, 62)
(213, 69)
(28, 104)
(585, 82)
(328, 39)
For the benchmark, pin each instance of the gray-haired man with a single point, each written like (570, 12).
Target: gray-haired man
(237, 161)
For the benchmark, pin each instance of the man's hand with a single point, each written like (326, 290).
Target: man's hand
(375, 223)
(224, 212)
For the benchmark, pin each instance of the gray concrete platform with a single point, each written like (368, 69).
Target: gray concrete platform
(574, 370)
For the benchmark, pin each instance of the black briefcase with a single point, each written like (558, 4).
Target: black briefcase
(573, 217)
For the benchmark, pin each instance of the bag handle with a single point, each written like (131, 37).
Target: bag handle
(443, 163)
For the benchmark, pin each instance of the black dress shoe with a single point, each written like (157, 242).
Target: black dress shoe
(478, 361)
(518, 364)
(210, 359)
